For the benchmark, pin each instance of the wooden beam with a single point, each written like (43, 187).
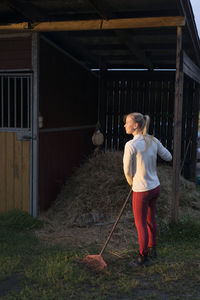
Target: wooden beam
(190, 68)
(131, 65)
(15, 35)
(98, 24)
(177, 128)
(111, 24)
(15, 27)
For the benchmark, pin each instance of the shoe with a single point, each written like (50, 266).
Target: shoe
(152, 252)
(140, 261)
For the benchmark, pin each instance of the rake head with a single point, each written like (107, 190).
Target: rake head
(95, 262)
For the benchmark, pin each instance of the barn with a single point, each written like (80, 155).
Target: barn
(66, 65)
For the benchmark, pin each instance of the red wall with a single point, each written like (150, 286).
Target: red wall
(68, 92)
(15, 53)
(68, 98)
(60, 154)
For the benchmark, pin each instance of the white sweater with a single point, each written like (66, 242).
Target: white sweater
(140, 164)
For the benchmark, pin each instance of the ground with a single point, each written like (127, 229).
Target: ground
(37, 269)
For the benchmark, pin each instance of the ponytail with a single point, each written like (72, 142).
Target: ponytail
(147, 138)
(146, 125)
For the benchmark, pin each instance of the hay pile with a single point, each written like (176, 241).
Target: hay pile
(93, 197)
(97, 190)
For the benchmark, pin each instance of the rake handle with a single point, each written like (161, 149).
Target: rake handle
(116, 222)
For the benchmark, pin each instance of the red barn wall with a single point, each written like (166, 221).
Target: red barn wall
(15, 52)
(60, 154)
(68, 98)
(68, 92)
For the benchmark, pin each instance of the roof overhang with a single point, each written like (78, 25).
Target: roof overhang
(107, 34)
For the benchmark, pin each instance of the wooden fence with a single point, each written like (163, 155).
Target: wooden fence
(152, 94)
(190, 116)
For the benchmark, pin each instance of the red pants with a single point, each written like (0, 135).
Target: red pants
(144, 210)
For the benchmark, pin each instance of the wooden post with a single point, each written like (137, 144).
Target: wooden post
(35, 113)
(177, 127)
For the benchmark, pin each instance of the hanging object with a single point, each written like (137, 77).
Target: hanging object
(40, 121)
(97, 137)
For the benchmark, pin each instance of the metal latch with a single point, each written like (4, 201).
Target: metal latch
(25, 136)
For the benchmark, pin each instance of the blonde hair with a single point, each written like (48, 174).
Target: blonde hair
(143, 122)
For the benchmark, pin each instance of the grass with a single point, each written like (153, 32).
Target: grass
(32, 270)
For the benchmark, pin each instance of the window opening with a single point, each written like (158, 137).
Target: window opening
(15, 101)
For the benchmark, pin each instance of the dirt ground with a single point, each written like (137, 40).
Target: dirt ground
(56, 232)
(124, 237)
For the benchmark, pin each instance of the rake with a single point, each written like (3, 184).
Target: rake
(97, 262)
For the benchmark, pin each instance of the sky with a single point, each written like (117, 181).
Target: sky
(196, 10)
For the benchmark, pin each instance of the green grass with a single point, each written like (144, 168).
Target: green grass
(18, 220)
(32, 270)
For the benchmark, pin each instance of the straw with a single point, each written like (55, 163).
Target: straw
(93, 196)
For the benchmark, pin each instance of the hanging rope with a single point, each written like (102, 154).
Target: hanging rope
(98, 138)
(99, 81)
(101, 24)
(99, 89)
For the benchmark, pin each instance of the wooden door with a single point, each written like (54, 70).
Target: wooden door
(15, 142)
(14, 172)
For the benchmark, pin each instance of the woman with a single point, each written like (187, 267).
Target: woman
(139, 161)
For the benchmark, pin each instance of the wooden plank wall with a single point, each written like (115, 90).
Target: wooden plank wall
(152, 94)
(146, 93)
(191, 101)
(14, 172)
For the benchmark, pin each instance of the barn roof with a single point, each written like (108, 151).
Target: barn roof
(109, 33)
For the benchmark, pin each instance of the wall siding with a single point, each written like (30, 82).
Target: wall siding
(68, 92)
(60, 155)
(15, 53)
(68, 98)
(152, 95)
